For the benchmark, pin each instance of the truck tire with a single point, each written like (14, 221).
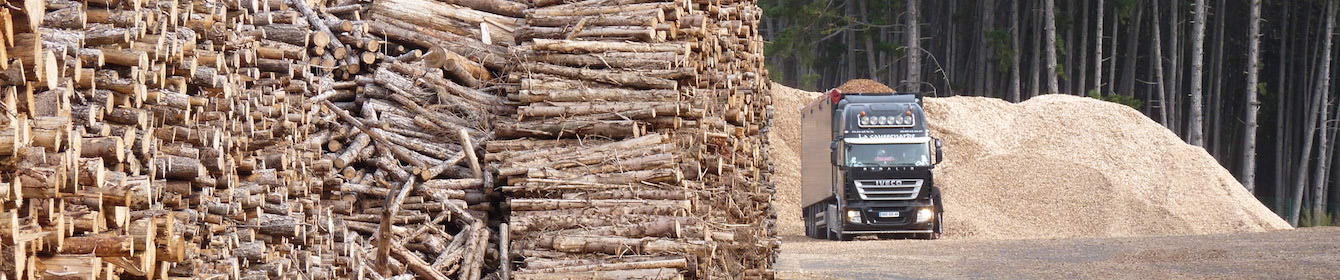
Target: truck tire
(820, 232)
(939, 217)
(811, 225)
(939, 225)
(835, 234)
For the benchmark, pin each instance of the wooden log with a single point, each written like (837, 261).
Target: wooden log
(656, 273)
(620, 78)
(178, 168)
(67, 267)
(288, 33)
(598, 10)
(489, 55)
(463, 70)
(570, 46)
(101, 245)
(625, 60)
(629, 110)
(648, 19)
(501, 7)
(558, 129)
(632, 33)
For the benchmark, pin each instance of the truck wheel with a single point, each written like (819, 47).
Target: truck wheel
(829, 231)
(939, 226)
(810, 224)
(820, 232)
(939, 218)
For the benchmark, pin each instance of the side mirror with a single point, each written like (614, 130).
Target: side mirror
(939, 151)
(833, 153)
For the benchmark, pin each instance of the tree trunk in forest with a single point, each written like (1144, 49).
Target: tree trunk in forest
(984, 69)
(1310, 127)
(1081, 73)
(1216, 141)
(1323, 142)
(1049, 10)
(849, 40)
(1014, 59)
(1308, 73)
(1281, 166)
(1175, 69)
(1112, 64)
(1035, 72)
(1320, 200)
(1161, 86)
(1127, 86)
(913, 46)
(1248, 172)
(1068, 52)
(1098, 51)
(1195, 133)
(951, 57)
(872, 68)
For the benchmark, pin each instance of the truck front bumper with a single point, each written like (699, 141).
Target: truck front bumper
(889, 218)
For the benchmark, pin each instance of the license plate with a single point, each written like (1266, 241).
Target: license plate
(889, 214)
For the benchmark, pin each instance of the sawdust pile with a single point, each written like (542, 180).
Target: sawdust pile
(784, 146)
(864, 86)
(1055, 166)
(1067, 166)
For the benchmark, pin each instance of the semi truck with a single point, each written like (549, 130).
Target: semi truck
(866, 161)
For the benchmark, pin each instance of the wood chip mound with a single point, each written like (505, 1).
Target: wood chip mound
(1055, 166)
(864, 86)
(1065, 166)
(784, 146)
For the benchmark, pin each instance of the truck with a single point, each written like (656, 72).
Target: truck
(866, 162)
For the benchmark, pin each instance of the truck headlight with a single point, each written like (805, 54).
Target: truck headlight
(925, 215)
(854, 216)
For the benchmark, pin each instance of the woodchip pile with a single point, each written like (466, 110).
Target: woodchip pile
(1061, 166)
(248, 139)
(784, 150)
(864, 86)
(637, 148)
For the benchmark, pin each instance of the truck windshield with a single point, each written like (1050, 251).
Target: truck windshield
(914, 154)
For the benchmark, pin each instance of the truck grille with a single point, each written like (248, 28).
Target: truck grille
(894, 189)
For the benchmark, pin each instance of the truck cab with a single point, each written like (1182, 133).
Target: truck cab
(866, 167)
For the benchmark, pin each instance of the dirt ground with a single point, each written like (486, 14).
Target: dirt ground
(1309, 253)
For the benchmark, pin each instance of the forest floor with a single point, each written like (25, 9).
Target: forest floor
(1308, 253)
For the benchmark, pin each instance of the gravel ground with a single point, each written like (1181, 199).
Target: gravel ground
(1310, 253)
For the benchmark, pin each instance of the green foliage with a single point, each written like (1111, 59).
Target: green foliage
(809, 36)
(1326, 219)
(999, 41)
(1125, 9)
(1119, 99)
(1062, 47)
(810, 80)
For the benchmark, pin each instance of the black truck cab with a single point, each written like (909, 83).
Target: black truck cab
(866, 167)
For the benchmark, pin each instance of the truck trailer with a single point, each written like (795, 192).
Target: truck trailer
(866, 161)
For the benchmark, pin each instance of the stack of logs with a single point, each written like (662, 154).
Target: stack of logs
(248, 139)
(636, 149)
(336, 139)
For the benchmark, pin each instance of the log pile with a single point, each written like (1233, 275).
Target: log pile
(339, 139)
(248, 139)
(635, 151)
